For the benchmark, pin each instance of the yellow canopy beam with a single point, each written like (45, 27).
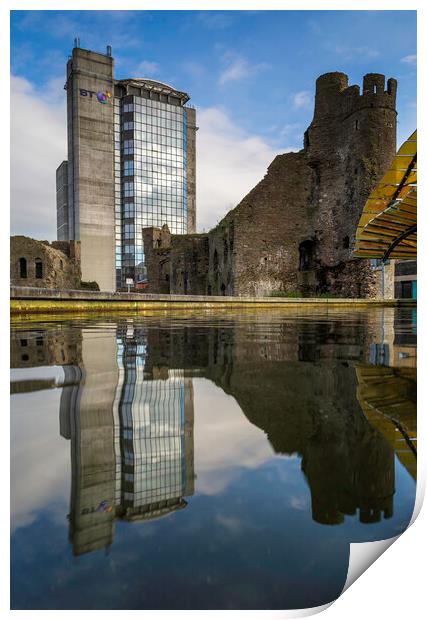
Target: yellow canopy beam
(388, 224)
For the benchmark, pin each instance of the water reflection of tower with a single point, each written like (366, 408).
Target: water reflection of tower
(86, 418)
(155, 416)
(131, 437)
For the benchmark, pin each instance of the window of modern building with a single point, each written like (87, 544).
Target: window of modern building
(153, 152)
(128, 147)
(22, 267)
(39, 268)
(128, 168)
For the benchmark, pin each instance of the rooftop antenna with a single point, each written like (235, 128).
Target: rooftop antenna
(77, 42)
(109, 50)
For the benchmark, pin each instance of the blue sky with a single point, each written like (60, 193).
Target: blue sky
(251, 74)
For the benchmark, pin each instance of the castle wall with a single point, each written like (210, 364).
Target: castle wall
(176, 264)
(157, 259)
(43, 264)
(294, 232)
(189, 263)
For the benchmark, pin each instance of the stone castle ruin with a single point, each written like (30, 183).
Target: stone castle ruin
(294, 231)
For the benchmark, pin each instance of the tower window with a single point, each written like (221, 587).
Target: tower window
(39, 268)
(22, 267)
(346, 242)
(356, 124)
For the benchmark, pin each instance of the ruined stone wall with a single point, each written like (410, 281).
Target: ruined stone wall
(349, 144)
(189, 264)
(176, 264)
(43, 264)
(157, 242)
(294, 232)
(263, 228)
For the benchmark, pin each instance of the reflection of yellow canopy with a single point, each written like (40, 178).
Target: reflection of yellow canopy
(387, 397)
(388, 224)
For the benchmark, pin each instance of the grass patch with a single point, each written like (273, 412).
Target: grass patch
(286, 294)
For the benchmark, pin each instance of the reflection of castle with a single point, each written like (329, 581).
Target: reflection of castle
(129, 414)
(300, 386)
(131, 438)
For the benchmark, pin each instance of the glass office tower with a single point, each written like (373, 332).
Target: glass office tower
(151, 169)
(131, 164)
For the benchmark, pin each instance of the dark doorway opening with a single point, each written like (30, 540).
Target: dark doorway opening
(306, 255)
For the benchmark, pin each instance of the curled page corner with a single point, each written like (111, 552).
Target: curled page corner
(286, 613)
(363, 555)
(302, 613)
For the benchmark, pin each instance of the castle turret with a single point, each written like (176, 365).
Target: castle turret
(349, 144)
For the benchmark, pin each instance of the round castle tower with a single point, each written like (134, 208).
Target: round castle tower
(349, 145)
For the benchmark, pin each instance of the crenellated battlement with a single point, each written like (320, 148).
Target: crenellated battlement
(334, 96)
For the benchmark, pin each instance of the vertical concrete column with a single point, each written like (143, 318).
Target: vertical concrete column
(90, 109)
(191, 169)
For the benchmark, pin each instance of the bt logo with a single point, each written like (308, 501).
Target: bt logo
(100, 96)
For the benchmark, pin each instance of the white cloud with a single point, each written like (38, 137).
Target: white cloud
(38, 146)
(215, 21)
(40, 462)
(229, 164)
(237, 68)
(410, 60)
(146, 68)
(239, 445)
(350, 53)
(302, 99)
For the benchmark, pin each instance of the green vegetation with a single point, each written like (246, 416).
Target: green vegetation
(89, 286)
(286, 294)
(299, 295)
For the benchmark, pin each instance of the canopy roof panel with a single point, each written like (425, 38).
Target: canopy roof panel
(388, 224)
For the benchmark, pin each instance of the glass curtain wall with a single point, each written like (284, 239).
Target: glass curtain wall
(153, 178)
(151, 416)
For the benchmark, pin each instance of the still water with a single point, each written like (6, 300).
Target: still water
(218, 461)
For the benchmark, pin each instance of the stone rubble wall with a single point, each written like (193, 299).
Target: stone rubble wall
(294, 232)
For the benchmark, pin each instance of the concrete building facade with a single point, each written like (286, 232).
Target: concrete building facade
(294, 232)
(397, 278)
(131, 164)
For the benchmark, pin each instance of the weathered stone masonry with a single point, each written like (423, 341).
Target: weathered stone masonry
(294, 231)
(43, 264)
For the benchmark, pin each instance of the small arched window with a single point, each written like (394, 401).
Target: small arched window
(61, 264)
(356, 124)
(22, 267)
(39, 268)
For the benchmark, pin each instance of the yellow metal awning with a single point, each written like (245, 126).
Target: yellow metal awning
(388, 224)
